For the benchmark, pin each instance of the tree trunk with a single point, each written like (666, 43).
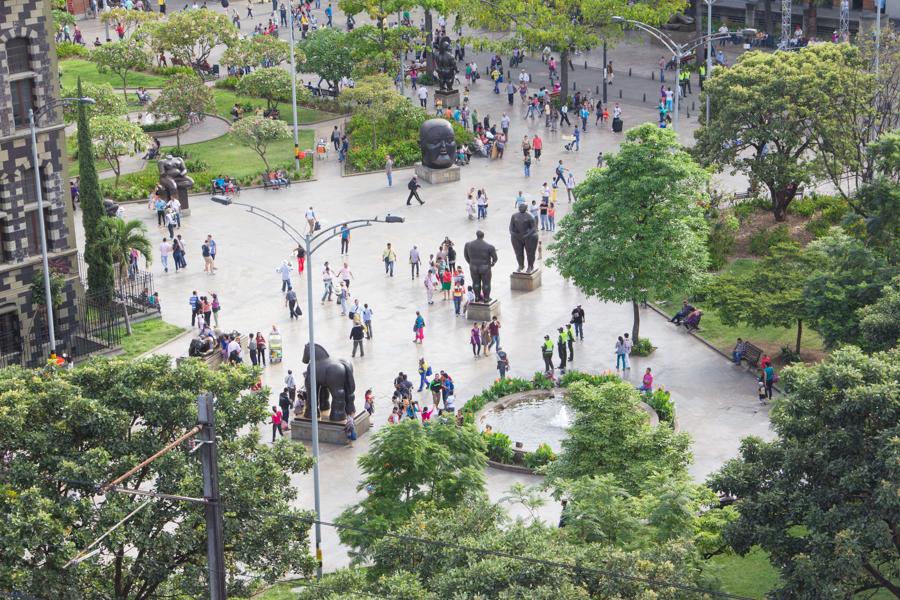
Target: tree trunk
(813, 20)
(636, 323)
(564, 76)
(767, 15)
(799, 335)
(429, 42)
(123, 273)
(698, 27)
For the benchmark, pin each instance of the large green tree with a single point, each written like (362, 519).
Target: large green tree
(271, 83)
(113, 137)
(106, 101)
(100, 275)
(768, 113)
(770, 292)
(879, 322)
(408, 466)
(258, 132)
(822, 498)
(182, 95)
(61, 430)
(876, 204)
(637, 226)
(190, 35)
(121, 58)
(327, 55)
(257, 50)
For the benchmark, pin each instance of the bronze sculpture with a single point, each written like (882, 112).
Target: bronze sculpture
(334, 376)
(173, 177)
(524, 237)
(481, 257)
(445, 64)
(438, 143)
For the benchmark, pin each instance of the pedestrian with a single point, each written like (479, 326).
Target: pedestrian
(165, 249)
(551, 216)
(291, 299)
(485, 338)
(419, 328)
(389, 257)
(350, 430)
(436, 387)
(424, 372)
(284, 402)
(431, 284)
(770, 378)
(414, 261)
(290, 384)
(208, 266)
(216, 307)
(367, 314)
(481, 200)
(422, 92)
(502, 362)
(446, 284)
(761, 390)
(178, 253)
(662, 69)
(570, 186)
(254, 360)
(300, 253)
(560, 174)
(578, 321)
(194, 301)
(527, 163)
(336, 138)
(547, 354)
(561, 349)
(345, 239)
(276, 423)
(342, 295)
(369, 402)
(285, 271)
(170, 222)
(475, 340)
(413, 187)
(458, 292)
(356, 334)
(494, 330)
(470, 298)
(206, 309)
(260, 347)
(389, 169)
(311, 220)
(620, 352)
(629, 344)
(646, 382)
(327, 282)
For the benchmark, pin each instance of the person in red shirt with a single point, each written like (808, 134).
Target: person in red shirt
(446, 281)
(537, 144)
(276, 423)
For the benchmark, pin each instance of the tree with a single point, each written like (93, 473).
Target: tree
(409, 465)
(100, 277)
(119, 238)
(132, 20)
(272, 83)
(637, 226)
(190, 35)
(327, 55)
(821, 498)
(767, 114)
(106, 101)
(564, 25)
(182, 95)
(114, 137)
(57, 288)
(770, 292)
(120, 58)
(610, 435)
(266, 50)
(845, 276)
(876, 204)
(376, 50)
(258, 132)
(96, 423)
(879, 322)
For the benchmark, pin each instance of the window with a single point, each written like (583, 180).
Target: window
(33, 232)
(10, 334)
(18, 58)
(22, 92)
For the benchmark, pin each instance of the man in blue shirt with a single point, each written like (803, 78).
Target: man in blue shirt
(345, 239)
(328, 12)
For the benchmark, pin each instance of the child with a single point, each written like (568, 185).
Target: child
(761, 390)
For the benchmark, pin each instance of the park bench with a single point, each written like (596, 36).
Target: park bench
(752, 354)
(268, 184)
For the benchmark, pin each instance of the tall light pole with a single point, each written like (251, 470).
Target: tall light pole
(709, 4)
(878, 5)
(311, 241)
(680, 51)
(35, 164)
(294, 97)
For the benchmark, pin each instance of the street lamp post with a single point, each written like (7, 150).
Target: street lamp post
(312, 242)
(32, 118)
(294, 98)
(709, 4)
(680, 51)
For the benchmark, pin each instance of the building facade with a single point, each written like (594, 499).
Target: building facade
(29, 80)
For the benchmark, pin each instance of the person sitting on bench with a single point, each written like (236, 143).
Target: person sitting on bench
(693, 320)
(738, 353)
(219, 185)
(686, 309)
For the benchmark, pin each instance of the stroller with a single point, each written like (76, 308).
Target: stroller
(570, 143)
(276, 349)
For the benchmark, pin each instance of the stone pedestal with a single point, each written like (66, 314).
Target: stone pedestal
(481, 311)
(183, 199)
(330, 432)
(525, 282)
(447, 98)
(435, 176)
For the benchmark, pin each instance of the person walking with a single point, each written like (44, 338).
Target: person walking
(389, 169)
(561, 349)
(431, 284)
(494, 330)
(276, 423)
(419, 329)
(290, 384)
(769, 376)
(570, 186)
(285, 403)
(578, 321)
(560, 174)
(458, 293)
(389, 257)
(346, 275)
(342, 295)
(178, 253)
(367, 314)
(475, 340)
(260, 347)
(294, 311)
(336, 138)
(165, 249)
(300, 252)
(424, 372)
(216, 307)
(194, 301)
(414, 262)
(356, 334)
(285, 271)
(310, 216)
(547, 354)
(502, 362)
(345, 239)
(629, 344)
(538, 145)
(570, 340)
(208, 267)
(413, 187)
(327, 282)
(620, 352)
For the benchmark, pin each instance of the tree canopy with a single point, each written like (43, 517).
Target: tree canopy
(106, 101)
(266, 50)
(258, 132)
(182, 95)
(637, 226)
(879, 322)
(327, 55)
(190, 35)
(63, 431)
(121, 58)
(272, 83)
(114, 137)
(822, 498)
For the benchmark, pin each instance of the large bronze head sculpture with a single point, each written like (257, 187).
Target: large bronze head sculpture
(438, 144)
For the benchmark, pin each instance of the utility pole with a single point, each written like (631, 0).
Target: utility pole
(604, 72)
(215, 547)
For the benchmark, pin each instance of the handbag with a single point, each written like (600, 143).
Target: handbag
(317, 226)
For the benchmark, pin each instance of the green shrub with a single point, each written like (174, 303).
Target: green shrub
(227, 83)
(643, 347)
(571, 377)
(720, 243)
(169, 71)
(541, 382)
(762, 241)
(425, 78)
(163, 125)
(499, 447)
(804, 207)
(661, 401)
(789, 356)
(66, 50)
(540, 457)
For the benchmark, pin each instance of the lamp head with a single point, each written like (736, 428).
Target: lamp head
(223, 200)
(748, 32)
(618, 19)
(393, 219)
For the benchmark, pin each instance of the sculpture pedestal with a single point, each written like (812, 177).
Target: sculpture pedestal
(330, 432)
(183, 199)
(448, 98)
(481, 311)
(524, 281)
(435, 176)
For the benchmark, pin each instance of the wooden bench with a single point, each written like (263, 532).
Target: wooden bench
(271, 185)
(752, 354)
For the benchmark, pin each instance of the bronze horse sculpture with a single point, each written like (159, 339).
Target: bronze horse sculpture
(334, 377)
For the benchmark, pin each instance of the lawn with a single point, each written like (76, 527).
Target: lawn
(146, 336)
(279, 591)
(225, 99)
(722, 336)
(751, 575)
(71, 70)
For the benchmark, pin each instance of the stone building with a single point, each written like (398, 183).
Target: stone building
(29, 80)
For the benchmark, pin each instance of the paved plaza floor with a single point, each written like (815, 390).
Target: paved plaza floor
(715, 401)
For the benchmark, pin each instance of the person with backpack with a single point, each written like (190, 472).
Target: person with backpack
(194, 301)
(424, 372)
(413, 187)
(560, 174)
(419, 328)
(502, 362)
(357, 334)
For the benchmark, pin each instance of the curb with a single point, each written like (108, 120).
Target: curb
(511, 468)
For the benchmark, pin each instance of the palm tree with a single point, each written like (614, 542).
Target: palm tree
(118, 238)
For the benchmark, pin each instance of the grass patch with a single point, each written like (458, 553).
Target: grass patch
(147, 335)
(71, 70)
(225, 99)
(279, 591)
(723, 336)
(751, 575)
(226, 156)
